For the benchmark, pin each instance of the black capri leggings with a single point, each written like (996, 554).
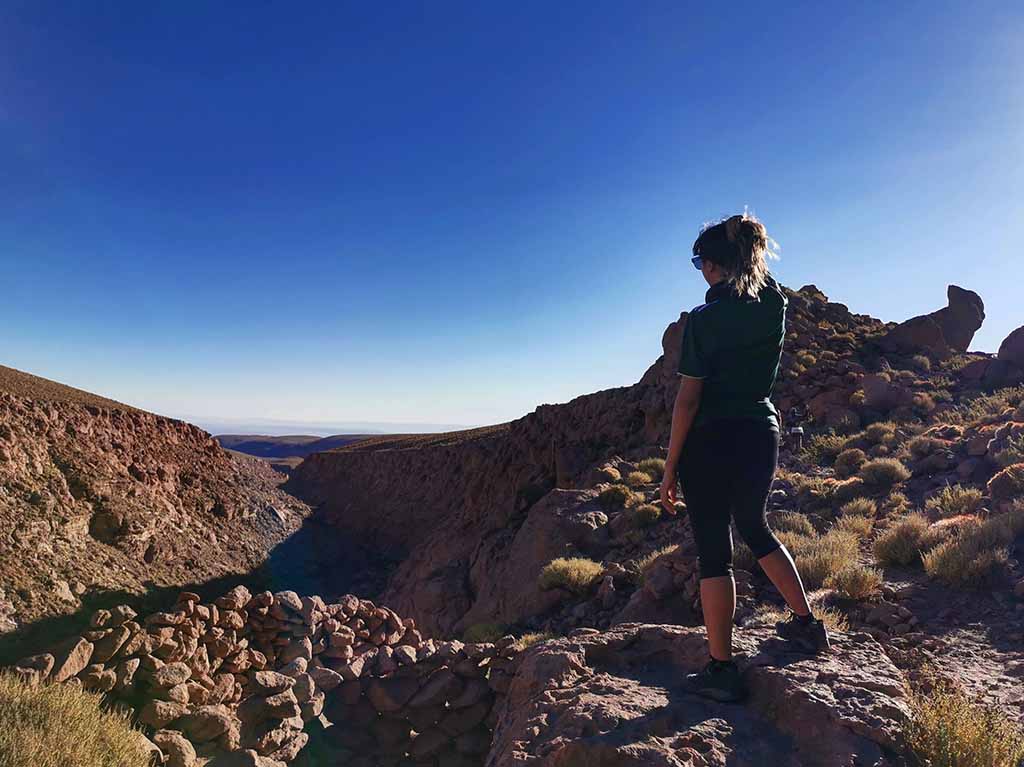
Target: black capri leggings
(726, 469)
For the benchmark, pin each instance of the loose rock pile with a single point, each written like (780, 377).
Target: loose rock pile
(237, 681)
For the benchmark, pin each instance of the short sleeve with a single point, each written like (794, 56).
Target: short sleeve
(693, 361)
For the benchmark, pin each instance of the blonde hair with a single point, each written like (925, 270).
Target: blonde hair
(740, 245)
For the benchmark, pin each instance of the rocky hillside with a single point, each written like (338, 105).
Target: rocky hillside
(96, 496)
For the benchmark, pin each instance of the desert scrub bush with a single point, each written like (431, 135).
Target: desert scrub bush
(923, 403)
(855, 582)
(528, 640)
(922, 363)
(880, 433)
(1008, 484)
(616, 497)
(653, 466)
(848, 490)
(577, 574)
(881, 474)
(948, 729)
(1012, 453)
(977, 553)
(647, 514)
(848, 462)
(895, 503)
(859, 507)
(59, 725)
(483, 632)
(638, 479)
(792, 522)
(954, 501)
(900, 543)
(814, 494)
(608, 474)
(644, 563)
(922, 446)
(858, 398)
(859, 526)
(768, 615)
(819, 556)
(987, 405)
(806, 358)
(822, 449)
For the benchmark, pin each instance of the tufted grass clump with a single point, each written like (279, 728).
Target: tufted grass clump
(1008, 484)
(848, 462)
(483, 632)
(954, 501)
(535, 637)
(948, 729)
(638, 478)
(921, 363)
(59, 725)
(793, 522)
(859, 507)
(900, 543)
(923, 446)
(819, 556)
(577, 574)
(655, 467)
(880, 433)
(1012, 453)
(856, 582)
(883, 474)
(644, 563)
(768, 615)
(859, 526)
(616, 497)
(822, 449)
(647, 514)
(977, 553)
(609, 474)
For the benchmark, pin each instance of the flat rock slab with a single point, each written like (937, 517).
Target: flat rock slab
(617, 697)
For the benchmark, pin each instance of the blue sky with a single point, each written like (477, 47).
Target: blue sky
(454, 212)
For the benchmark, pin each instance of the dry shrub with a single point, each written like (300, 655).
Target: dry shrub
(577, 574)
(768, 615)
(483, 632)
(59, 725)
(954, 501)
(647, 514)
(819, 556)
(638, 479)
(793, 522)
(822, 449)
(848, 462)
(883, 474)
(921, 362)
(859, 526)
(948, 729)
(1012, 453)
(895, 503)
(923, 446)
(608, 474)
(855, 582)
(652, 466)
(900, 543)
(528, 640)
(977, 553)
(848, 490)
(880, 433)
(1008, 484)
(814, 494)
(616, 497)
(859, 507)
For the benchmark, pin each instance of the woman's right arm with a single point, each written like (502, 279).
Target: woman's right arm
(683, 412)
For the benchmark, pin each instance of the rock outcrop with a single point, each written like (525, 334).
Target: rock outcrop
(617, 698)
(95, 495)
(946, 330)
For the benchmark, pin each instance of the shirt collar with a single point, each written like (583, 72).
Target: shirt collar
(718, 291)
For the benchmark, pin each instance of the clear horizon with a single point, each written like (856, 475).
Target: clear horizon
(421, 216)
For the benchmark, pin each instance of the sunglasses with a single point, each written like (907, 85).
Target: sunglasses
(697, 262)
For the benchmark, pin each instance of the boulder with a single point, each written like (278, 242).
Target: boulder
(616, 698)
(176, 748)
(70, 659)
(1012, 348)
(947, 330)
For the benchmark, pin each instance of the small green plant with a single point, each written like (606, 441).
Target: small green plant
(883, 474)
(655, 467)
(638, 479)
(948, 729)
(848, 462)
(954, 501)
(483, 632)
(1008, 484)
(616, 497)
(900, 543)
(58, 725)
(855, 581)
(577, 574)
(647, 514)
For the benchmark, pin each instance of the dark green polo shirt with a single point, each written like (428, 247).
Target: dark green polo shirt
(734, 343)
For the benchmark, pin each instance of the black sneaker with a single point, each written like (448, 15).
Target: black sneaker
(720, 680)
(810, 636)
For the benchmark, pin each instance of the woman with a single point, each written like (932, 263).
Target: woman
(725, 439)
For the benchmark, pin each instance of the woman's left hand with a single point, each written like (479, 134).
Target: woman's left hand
(668, 491)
